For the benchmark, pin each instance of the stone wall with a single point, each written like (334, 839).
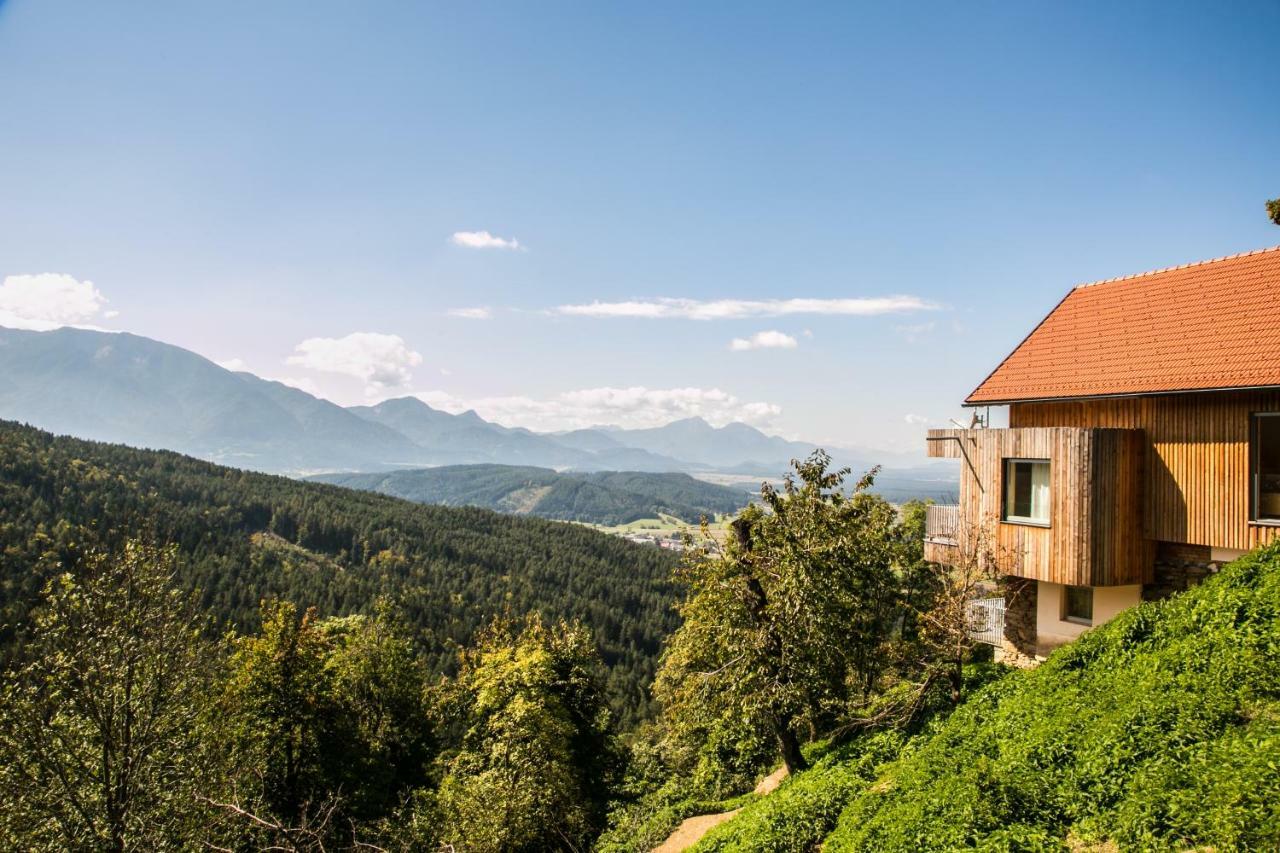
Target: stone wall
(1019, 647)
(1178, 568)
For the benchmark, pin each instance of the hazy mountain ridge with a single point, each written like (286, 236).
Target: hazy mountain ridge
(134, 390)
(608, 497)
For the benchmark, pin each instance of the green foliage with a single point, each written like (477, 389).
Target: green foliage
(103, 739)
(247, 537)
(805, 807)
(1155, 731)
(784, 623)
(1273, 210)
(609, 498)
(644, 825)
(327, 713)
(537, 759)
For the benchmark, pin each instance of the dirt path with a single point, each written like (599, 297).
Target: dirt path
(690, 832)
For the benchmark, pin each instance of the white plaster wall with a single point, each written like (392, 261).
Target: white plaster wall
(1052, 630)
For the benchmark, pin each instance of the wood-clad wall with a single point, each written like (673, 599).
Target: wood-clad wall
(1095, 533)
(1197, 474)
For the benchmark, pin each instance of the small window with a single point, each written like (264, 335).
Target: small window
(1026, 491)
(1266, 467)
(1077, 605)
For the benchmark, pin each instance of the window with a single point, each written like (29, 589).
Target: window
(1266, 467)
(1026, 491)
(1077, 605)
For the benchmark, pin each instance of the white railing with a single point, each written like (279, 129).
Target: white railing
(941, 521)
(986, 620)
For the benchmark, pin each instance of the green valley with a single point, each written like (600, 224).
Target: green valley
(608, 498)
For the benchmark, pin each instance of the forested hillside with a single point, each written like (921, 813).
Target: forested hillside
(245, 536)
(605, 497)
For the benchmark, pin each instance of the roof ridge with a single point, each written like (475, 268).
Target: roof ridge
(1178, 267)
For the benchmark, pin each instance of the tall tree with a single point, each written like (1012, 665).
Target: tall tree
(101, 742)
(537, 761)
(790, 616)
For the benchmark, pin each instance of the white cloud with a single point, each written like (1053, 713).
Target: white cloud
(915, 332)
(916, 420)
(628, 407)
(382, 361)
(480, 312)
(47, 301)
(235, 365)
(483, 240)
(763, 340)
(735, 309)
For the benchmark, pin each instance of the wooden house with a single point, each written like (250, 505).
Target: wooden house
(1143, 447)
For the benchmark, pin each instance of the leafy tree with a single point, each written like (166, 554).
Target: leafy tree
(101, 740)
(329, 723)
(378, 681)
(789, 618)
(288, 726)
(537, 761)
(1273, 210)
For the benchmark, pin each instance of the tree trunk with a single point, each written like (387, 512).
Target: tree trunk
(790, 746)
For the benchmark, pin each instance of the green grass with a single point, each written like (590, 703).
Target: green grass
(1157, 731)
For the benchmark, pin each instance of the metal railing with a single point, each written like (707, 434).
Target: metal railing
(941, 521)
(986, 620)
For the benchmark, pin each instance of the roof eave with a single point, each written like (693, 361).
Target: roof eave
(970, 403)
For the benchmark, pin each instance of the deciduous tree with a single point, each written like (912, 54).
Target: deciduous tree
(101, 743)
(790, 617)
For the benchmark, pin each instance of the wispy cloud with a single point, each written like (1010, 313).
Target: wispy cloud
(382, 361)
(483, 240)
(734, 309)
(914, 332)
(480, 312)
(764, 340)
(235, 365)
(915, 420)
(48, 300)
(635, 406)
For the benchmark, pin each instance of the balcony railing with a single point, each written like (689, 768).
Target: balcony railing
(986, 620)
(941, 522)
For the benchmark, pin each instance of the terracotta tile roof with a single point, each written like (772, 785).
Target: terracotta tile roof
(1209, 325)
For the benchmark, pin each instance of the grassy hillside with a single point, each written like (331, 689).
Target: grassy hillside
(245, 536)
(607, 497)
(1157, 731)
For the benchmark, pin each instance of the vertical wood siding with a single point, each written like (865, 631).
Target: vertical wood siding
(1095, 535)
(1197, 484)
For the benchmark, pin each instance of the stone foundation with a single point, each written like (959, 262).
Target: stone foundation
(1019, 647)
(1177, 569)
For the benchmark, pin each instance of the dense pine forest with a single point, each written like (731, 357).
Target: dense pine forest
(244, 537)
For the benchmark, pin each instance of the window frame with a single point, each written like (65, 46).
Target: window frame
(1255, 470)
(1066, 607)
(1005, 516)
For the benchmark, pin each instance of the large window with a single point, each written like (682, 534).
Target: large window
(1266, 467)
(1077, 605)
(1026, 491)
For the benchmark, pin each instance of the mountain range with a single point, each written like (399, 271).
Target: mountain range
(128, 389)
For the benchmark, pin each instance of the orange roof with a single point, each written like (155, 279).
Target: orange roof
(1199, 327)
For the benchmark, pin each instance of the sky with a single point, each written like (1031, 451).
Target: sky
(830, 221)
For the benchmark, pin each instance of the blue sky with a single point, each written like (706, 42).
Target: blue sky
(279, 184)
